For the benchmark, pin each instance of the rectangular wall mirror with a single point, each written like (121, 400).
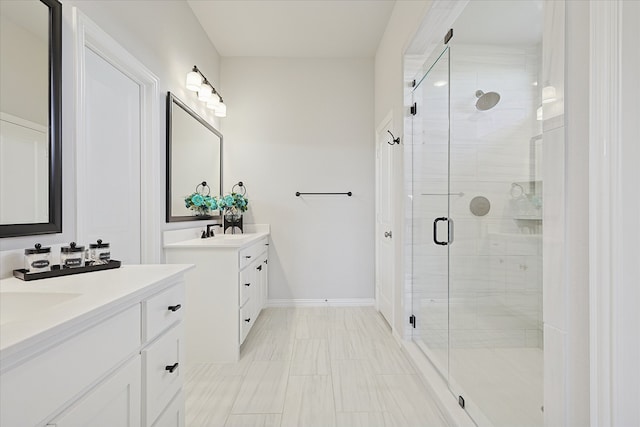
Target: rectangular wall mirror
(194, 156)
(30, 117)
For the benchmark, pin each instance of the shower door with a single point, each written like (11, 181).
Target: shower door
(430, 144)
(477, 222)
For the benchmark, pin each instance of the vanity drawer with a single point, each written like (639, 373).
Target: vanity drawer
(162, 310)
(250, 253)
(162, 370)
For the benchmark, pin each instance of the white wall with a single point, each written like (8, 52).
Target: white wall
(305, 125)
(168, 40)
(403, 23)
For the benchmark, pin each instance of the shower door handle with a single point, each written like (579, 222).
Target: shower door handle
(449, 231)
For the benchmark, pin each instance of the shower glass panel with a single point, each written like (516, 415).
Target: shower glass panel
(477, 212)
(495, 260)
(430, 202)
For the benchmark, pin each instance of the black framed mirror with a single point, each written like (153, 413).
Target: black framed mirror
(194, 157)
(30, 118)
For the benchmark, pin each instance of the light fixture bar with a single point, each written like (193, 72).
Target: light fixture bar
(198, 82)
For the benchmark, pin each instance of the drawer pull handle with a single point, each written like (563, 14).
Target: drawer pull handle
(259, 268)
(247, 256)
(247, 284)
(174, 308)
(248, 320)
(171, 368)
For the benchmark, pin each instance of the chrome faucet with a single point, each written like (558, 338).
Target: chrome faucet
(209, 232)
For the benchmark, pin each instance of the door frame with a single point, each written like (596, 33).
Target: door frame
(387, 123)
(89, 36)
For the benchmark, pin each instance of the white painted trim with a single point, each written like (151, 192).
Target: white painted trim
(613, 156)
(604, 200)
(342, 302)
(89, 35)
(23, 122)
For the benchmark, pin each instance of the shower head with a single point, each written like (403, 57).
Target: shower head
(486, 101)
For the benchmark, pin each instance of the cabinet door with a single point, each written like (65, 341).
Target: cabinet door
(264, 282)
(114, 402)
(163, 372)
(246, 285)
(173, 415)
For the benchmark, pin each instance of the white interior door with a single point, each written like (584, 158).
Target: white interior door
(109, 160)
(385, 256)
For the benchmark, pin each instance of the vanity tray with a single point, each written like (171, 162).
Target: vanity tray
(56, 271)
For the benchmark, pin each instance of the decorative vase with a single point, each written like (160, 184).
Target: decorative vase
(201, 211)
(233, 220)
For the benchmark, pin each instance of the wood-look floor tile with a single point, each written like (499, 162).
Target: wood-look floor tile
(313, 327)
(360, 419)
(354, 386)
(239, 368)
(309, 402)
(310, 357)
(253, 420)
(345, 344)
(344, 369)
(406, 399)
(209, 399)
(279, 320)
(387, 358)
(272, 346)
(263, 388)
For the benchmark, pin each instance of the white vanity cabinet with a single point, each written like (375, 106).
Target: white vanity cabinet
(253, 286)
(225, 292)
(110, 356)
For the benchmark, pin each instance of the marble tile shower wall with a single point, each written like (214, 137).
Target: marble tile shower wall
(495, 264)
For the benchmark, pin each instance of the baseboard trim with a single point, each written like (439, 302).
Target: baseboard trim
(342, 302)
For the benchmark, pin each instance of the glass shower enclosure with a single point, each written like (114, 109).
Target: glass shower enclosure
(477, 220)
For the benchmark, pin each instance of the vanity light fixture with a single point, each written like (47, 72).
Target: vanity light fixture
(197, 82)
(205, 92)
(194, 80)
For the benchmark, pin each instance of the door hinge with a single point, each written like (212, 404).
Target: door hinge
(413, 83)
(412, 320)
(448, 36)
(414, 109)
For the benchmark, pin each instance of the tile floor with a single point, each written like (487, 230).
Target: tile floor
(312, 367)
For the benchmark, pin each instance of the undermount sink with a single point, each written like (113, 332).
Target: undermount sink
(17, 306)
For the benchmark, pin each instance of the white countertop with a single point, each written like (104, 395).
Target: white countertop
(220, 241)
(34, 311)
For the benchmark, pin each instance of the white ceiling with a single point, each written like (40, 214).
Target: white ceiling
(294, 28)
